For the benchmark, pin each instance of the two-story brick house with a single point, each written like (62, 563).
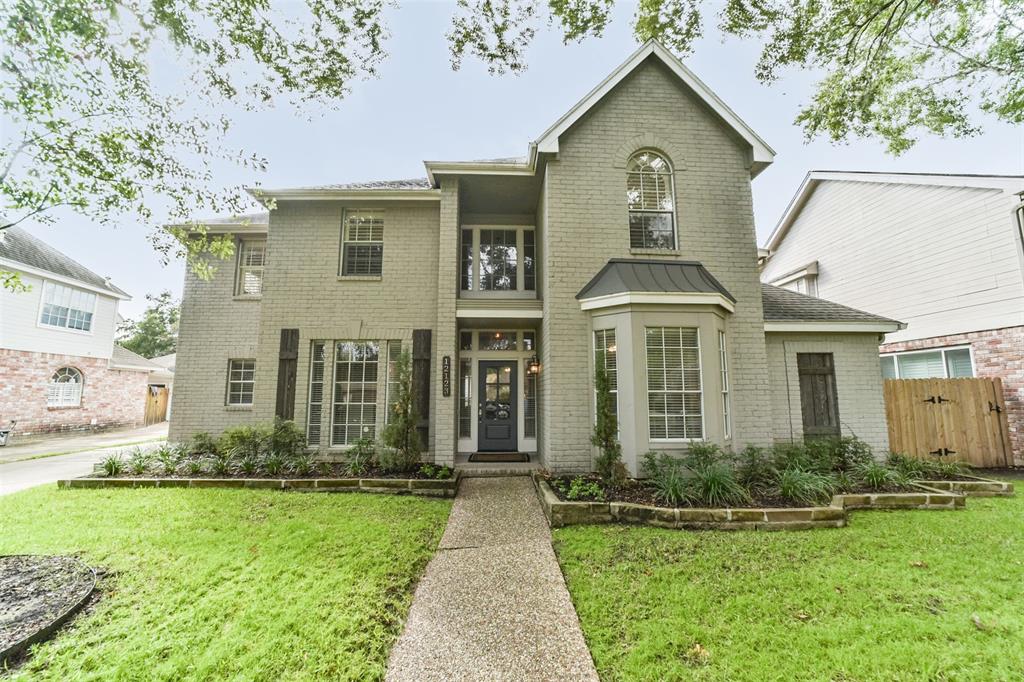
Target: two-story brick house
(625, 237)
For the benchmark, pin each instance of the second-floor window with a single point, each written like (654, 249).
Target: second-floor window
(252, 258)
(501, 259)
(650, 199)
(67, 307)
(362, 251)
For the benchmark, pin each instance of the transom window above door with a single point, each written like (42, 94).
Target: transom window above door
(650, 198)
(498, 259)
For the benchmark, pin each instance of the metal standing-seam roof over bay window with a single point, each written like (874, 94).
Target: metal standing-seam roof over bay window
(626, 280)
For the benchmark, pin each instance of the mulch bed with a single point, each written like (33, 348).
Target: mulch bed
(637, 492)
(36, 591)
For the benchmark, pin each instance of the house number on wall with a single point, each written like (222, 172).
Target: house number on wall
(446, 376)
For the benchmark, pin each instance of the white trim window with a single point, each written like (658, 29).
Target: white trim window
(241, 381)
(606, 356)
(724, 360)
(355, 391)
(939, 363)
(392, 387)
(650, 193)
(674, 384)
(317, 372)
(65, 388)
(498, 259)
(362, 252)
(67, 307)
(252, 259)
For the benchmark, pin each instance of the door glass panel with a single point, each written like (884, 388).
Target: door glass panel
(497, 340)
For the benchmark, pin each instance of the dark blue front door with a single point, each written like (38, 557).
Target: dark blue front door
(496, 431)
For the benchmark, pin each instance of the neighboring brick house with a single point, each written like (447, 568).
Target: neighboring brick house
(943, 253)
(625, 237)
(60, 369)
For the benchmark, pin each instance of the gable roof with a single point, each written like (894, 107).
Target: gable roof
(627, 275)
(1011, 184)
(763, 154)
(18, 247)
(782, 306)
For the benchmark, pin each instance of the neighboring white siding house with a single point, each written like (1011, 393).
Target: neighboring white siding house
(942, 253)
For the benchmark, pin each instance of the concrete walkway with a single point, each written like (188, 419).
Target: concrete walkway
(492, 604)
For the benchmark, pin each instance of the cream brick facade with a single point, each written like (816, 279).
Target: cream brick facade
(575, 197)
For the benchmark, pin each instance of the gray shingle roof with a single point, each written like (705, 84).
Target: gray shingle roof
(409, 183)
(262, 218)
(18, 245)
(783, 305)
(621, 275)
(122, 357)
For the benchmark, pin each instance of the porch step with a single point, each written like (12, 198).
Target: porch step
(483, 469)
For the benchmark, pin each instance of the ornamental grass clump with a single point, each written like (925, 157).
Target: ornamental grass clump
(168, 457)
(877, 476)
(805, 487)
(360, 457)
(715, 485)
(112, 465)
(138, 462)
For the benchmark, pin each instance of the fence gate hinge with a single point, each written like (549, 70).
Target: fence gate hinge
(992, 407)
(942, 452)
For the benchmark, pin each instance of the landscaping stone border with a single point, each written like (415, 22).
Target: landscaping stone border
(446, 487)
(974, 486)
(48, 630)
(926, 498)
(561, 513)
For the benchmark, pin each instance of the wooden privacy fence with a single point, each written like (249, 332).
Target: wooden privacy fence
(949, 419)
(156, 404)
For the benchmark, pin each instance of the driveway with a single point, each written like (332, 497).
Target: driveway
(85, 451)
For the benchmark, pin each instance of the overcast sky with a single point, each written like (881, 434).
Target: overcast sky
(418, 108)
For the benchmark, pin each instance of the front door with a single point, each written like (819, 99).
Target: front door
(497, 409)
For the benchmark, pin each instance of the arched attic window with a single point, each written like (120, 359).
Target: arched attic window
(650, 197)
(65, 388)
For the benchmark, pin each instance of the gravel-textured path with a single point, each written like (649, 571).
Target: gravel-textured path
(492, 604)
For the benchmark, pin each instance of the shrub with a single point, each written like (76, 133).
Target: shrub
(138, 462)
(657, 463)
(850, 453)
(274, 464)
(202, 444)
(194, 467)
(303, 464)
(803, 487)
(286, 439)
(715, 485)
(245, 441)
(439, 472)
(168, 457)
(360, 456)
(583, 489)
(220, 464)
(754, 470)
(606, 431)
(112, 465)
(702, 454)
(920, 469)
(401, 435)
(877, 476)
(669, 485)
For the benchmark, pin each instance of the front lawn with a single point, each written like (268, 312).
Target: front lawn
(908, 595)
(228, 584)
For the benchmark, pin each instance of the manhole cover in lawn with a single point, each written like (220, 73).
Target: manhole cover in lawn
(37, 595)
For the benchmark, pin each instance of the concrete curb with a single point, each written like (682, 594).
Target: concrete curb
(927, 498)
(396, 486)
(974, 486)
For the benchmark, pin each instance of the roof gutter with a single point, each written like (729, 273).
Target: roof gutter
(268, 196)
(835, 326)
(435, 168)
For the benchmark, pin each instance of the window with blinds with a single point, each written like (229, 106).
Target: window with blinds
(67, 307)
(650, 200)
(65, 388)
(363, 244)
(724, 362)
(674, 387)
(391, 390)
(314, 416)
(252, 259)
(355, 391)
(605, 356)
(943, 363)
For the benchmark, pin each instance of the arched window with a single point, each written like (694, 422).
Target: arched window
(650, 198)
(65, 388)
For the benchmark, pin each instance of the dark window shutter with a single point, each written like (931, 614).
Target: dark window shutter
(421, 379)
(286, 369)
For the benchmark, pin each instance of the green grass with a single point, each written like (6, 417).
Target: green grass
(228, 584)
(910, 595)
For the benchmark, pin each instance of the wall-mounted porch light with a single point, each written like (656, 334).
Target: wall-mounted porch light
(533, 365)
